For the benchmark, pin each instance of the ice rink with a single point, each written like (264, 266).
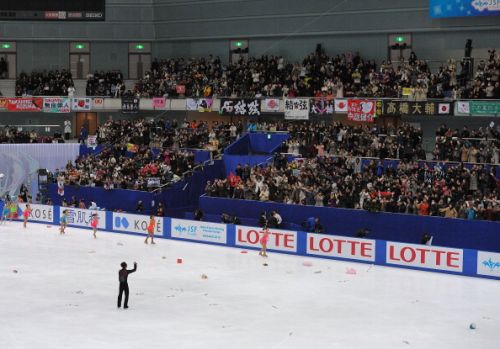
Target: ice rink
(63, 295)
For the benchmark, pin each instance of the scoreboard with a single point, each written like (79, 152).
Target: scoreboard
(52, 10)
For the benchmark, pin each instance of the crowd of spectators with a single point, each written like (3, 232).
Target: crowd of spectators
(449, 191)
(320, 75)
(135, 152)
(311, 139)
(475, 146)
(105, 84)
(51, 83)
(10, 134)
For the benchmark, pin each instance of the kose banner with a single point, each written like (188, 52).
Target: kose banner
(81, 218)
(200, 231)
(279, 240)
(39, 213)
(341, 247)
(136, 223)
(424, 256)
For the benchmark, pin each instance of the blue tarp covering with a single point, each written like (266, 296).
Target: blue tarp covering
(482, 235)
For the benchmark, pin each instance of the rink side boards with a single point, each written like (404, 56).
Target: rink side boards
(465, 262)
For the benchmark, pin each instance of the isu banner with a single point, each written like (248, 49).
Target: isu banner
(56, 105)
(81, 218)
(424, 256)
(271, 105)
(488, 264)
(279, 240)
(24, 104)
(159, 103)
(361, 110)
(136, 223)
(39, 213)
(199, 231)
(341, 247)
(242, 107)
(81, 104)
(130, 104)
(321, 106)
(297, 109)
(200, 104)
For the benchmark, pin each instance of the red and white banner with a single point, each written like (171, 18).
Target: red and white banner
(25, 104)
(423, 256)
(279, 240)
(98, 103)
(341, 105)
(444, 108)
(271, 105)
(361, 110)
(159, 103)
(81, 104)
(3, 103)
(180, 89)
(341, 247)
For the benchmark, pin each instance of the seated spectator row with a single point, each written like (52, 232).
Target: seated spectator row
(454, 192)
(135, 151)
(319, 74)
(105, 84)
(51, 83)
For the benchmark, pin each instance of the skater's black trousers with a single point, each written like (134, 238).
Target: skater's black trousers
(123, 288)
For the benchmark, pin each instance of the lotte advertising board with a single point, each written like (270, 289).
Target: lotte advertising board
(279, 240)
(341, 247)
(199, 231)
(81, 218)
(136, 223)
(39, 213)
(424, 256)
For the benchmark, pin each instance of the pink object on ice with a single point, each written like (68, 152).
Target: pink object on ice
(244, 252)
(307, 264)
(351, 271)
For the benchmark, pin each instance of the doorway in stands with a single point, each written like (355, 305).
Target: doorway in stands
(89, 120)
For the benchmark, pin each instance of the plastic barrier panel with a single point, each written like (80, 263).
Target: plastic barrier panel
(199, 231)
(81, 218)
(279, 240)
(135, 223)
(341, 247)
(488, 264)
(39, 213)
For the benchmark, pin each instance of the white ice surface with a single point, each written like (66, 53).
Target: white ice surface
(64, 296)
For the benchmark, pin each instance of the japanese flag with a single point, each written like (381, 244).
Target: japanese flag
(341, 105)
(444, 108)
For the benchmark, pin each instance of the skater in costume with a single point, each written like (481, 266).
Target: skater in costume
(64, 222)
(94, 222)
(122, 277)
(5, 212)
(263, 241)
(13, 211)
(26, 214)
(151, 230)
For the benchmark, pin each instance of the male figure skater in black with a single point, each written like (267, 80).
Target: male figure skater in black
(122, 277)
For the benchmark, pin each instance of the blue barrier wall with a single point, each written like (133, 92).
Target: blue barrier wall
(175, 198)
(480, 235)
(467, 262)
(266, 143)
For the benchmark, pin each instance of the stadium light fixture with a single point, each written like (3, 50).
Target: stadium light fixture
(399, 39)
(6, 45)
(139, 47)
(79, 46)
(238, 43)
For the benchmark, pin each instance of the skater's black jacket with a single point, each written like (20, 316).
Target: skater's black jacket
(123, 273)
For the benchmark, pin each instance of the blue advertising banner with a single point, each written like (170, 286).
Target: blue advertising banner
(463, 8)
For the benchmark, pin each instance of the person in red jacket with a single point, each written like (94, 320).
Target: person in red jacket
(151, 230)
(423, 208)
